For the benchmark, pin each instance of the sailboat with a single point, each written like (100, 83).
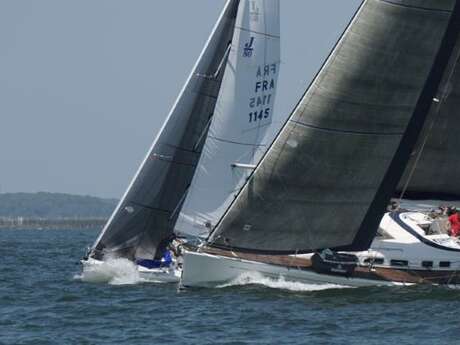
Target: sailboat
(312, 207)
(233, 83)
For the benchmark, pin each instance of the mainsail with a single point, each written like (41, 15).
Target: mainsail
(147, 212)
(434, 168)
(328, 176)
(243, 113)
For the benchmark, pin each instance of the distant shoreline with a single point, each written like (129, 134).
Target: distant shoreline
(53, 211)
(26, 223)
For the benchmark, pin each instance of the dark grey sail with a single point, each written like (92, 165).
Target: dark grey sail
(147, 213)
(434, 169)
(332, 169)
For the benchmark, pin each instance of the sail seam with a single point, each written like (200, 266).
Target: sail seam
(416, 7)
(175, 162)
(149, 207)
(325, 129)
(257, 32)
(205, 94)
(235, 142)
(179, 148)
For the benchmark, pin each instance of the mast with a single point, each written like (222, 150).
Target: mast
(146, 214)
(323, 182)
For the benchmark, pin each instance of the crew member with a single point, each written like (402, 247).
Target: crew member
(454, 220)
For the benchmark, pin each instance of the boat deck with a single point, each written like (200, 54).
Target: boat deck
(281, 260)
(402, 275)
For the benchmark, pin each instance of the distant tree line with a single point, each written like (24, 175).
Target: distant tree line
(46, 224)
(54, 206)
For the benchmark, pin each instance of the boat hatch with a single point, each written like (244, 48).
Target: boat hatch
(374, 261)
(444, 264)
(399, 263)
(427, 264)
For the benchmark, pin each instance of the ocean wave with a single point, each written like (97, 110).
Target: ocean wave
(256, 278)
(117, 271)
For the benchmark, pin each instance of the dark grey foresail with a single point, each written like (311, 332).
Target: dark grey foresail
(434, 168)
(146, 215)
(332, 169)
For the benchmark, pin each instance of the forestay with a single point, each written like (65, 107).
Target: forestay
(147, 212)
(244, 112)
(328, 176)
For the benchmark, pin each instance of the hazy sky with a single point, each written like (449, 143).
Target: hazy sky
(85, 85)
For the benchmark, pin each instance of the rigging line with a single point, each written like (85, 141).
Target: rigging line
(205, 94)
(219, 68)
(438, 102)
(179, 204)
(171, 160)
(214, 76)
(179, 148)
(203, 133)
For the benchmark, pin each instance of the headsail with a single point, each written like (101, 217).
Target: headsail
(147, 212)
(244, 112)
(326, 180)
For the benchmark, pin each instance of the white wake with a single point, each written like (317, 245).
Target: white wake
(111, 271)
(256, 278)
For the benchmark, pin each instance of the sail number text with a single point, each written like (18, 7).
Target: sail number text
(260, 104)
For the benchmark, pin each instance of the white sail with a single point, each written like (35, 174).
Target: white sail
(243, 113)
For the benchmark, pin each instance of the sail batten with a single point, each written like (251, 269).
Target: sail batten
(344, 131)
(317, 188)
(258, 32)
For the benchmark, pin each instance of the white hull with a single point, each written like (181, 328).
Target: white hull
(410, 251)
(206, 270)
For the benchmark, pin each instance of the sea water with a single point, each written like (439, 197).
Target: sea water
(45, 299)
